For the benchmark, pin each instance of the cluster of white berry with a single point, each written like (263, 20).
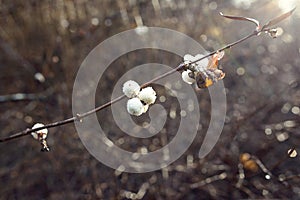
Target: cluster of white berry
(205, 72)
(139, 99)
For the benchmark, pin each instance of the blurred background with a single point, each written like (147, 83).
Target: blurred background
(42, 45)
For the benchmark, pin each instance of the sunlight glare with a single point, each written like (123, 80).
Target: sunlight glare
(286, 5)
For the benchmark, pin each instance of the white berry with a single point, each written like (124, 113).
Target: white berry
(202, 63)
(147, 95)
(135, 106)
(187, 58)
(40, 134)
(131, 89)
(186, 78)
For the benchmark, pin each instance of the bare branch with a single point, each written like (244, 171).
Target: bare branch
(180, 67)
(256, 22)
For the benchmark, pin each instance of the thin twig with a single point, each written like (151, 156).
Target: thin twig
(262, 166)
(83, 115)
(181, 66)
(209, 180)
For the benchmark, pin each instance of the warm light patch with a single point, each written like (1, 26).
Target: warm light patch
(286, 5)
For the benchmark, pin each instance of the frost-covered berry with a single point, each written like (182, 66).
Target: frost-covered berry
(40, 134)
(202, 64)
(131, 89)
(186, 78)
(135, 106)
(147, 95)
(188, 58)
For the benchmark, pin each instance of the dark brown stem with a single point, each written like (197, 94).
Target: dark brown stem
(83, 115)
